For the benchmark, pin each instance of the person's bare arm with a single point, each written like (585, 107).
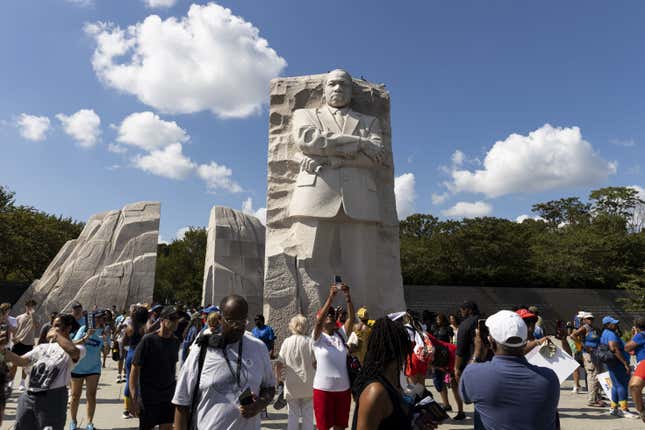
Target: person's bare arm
(134, 389)
(613, 346)
(375, 406)
(68, 346)
(630, 346)
(579, 333)
(322, 313)
(181, 417)
(351, 313)
(16, 359)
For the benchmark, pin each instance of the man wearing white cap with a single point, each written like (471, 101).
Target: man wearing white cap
(508, 392)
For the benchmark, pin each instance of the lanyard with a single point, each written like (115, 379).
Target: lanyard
(235, 375)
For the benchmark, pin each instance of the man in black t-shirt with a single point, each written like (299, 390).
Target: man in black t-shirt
(152, 378)
(466, 336)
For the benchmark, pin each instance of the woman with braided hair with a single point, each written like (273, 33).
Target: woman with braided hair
(380, 402)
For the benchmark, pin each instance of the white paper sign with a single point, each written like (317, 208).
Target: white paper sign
(605, 382)
(561, 363)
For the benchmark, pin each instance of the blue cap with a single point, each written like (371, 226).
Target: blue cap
(210, 309)
(156, 308)
(609, 320)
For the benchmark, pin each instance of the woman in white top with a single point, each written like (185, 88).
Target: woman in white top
(296, 370)
(332, 391)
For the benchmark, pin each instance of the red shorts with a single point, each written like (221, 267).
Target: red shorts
(640, 370)
(331, 408)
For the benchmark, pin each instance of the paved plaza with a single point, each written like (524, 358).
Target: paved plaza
(573, 411)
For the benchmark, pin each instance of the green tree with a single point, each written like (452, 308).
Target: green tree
(568, 210)
(180, 268)
(616, 201)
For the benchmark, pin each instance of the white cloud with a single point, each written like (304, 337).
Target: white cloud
(32, 127)
(548, 158)
(469, 210)
(261, 213)
(218, 176)
(207, 60)
(520, 219)
(458, 158)
(438, 199)
(629, 143)
(168, 162)
(179, 235)
(84, 126)
(406, 196)
(83, 3)
(147, 131)
(159, 3)
(117, 149)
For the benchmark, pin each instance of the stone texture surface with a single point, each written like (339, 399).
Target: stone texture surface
(234, 258)
(111, 263)
(367, 247)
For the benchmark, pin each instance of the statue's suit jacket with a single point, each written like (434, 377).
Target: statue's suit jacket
(339, 180)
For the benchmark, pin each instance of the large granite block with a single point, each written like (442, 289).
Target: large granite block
(234, 258)
(111, 263)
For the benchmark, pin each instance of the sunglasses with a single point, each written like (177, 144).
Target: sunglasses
(236, 323)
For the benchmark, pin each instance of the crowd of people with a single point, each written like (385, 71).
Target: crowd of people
(202, 368)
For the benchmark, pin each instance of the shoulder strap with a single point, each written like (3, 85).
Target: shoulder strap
(203, 348)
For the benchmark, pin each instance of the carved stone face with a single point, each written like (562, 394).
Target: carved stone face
(338, 88)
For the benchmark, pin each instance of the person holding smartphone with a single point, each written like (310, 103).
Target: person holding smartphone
(332, 390)
(227, 379)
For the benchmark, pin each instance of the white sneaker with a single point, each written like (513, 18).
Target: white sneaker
(575, 390)
(617, 412)
(628, 414)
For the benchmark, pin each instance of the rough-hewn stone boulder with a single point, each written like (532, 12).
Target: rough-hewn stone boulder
(234, 258)
(111, 263)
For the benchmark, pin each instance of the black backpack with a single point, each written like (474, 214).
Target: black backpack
(604, 355)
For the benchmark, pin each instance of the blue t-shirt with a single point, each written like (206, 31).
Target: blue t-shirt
(639, 339)
(591, 338)
(509, 393)
(91, 363)
(266, 335)
(608, 336)
(538, 333)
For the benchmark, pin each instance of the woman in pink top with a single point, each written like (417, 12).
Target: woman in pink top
(332, 391)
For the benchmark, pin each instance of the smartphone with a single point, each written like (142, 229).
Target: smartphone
(91, 321)
(338, 280)
(246, 398)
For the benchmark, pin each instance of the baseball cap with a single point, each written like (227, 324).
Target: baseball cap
(362, 313)
(507, 328)
(586, 315)
(609, 320)
(210, 309)
(156, 308)
(525, 313)
(168, 313)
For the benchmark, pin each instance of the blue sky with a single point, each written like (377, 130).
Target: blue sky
(473, 86)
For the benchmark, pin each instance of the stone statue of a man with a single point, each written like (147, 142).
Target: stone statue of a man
(335, 203)
(340, 148)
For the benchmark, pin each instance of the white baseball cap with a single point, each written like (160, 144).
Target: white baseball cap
(505, 325)
(586, 315)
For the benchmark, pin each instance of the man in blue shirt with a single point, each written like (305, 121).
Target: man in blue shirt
(264, 333)
(508, 392)
(637, 344)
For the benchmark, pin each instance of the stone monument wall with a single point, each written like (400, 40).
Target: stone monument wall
(288, 287)
(234, 258)
(112, 262)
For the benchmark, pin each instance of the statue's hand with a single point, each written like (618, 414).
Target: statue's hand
(310, 165)
(376, 153)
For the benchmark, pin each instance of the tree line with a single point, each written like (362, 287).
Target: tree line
(569, 244)
(599, 244)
